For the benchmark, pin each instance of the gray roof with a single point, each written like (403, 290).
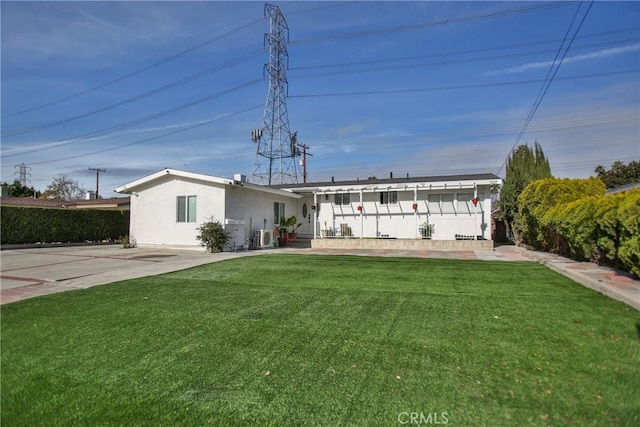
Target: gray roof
(469, 177)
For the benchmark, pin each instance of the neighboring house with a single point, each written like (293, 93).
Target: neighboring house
(116, 203)
(450, 208)
(32, 203)
(623, 188)
(113, 203)
(168, 206)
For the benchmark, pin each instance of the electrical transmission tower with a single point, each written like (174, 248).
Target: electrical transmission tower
(277, 146)
(23, 174)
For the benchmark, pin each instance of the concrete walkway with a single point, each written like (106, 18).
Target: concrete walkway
(28, 273)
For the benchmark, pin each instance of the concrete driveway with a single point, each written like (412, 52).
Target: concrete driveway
(26, 273)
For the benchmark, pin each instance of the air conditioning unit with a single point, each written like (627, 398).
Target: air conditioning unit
(265, 239)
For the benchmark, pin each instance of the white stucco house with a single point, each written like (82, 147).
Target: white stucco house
(168, 206)
(409, 209)
(445, 212)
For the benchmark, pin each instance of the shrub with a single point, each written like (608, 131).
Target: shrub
(213, 236)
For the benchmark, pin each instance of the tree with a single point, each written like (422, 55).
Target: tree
(63, 188)
(524, 165)
(619, 174)
(18, 190)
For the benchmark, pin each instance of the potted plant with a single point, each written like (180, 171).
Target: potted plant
(426, 230)
(294, 233)
(285, 224)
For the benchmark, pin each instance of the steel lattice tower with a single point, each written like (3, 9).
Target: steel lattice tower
(277, 147)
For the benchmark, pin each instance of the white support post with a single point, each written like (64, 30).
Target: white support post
(361, 216)
(315, 215)
(415, 211)
(475, 205)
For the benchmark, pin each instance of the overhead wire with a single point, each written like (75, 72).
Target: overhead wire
(153, 138)
(553, 70)
(143, 95)
(411, 27)
(462, 61)
(459, 52)
(456, 87)
(112, 129)
(138, 71)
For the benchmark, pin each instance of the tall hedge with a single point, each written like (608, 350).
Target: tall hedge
(629, 217)
(540, 197)
(31, 225)
(601, 228)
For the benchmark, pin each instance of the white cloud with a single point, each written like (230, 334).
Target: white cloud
(605, 53)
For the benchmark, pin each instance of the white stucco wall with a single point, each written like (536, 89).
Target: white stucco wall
(154, 207)
(255, 208)
(399, 220)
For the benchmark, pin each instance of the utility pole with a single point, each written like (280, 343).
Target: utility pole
(304, 161)
(276, 145)
(98, 170)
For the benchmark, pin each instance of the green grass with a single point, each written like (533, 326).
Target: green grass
(346, 340)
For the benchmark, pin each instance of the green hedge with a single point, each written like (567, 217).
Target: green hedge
(539, 197)
(31, 225)
(599, 228)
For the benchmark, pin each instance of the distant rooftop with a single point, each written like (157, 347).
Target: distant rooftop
(49, 203)
(623, 188)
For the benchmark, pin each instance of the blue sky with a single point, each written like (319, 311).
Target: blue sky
(426, 88)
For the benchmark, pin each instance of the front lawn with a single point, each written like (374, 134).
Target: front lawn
(324, 340)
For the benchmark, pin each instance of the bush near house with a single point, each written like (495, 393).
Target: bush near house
(31, 225)
(596, 227)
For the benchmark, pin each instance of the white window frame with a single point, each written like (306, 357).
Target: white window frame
(388, 197)
(190, 208)
(464, 206)
(278, 212)
(342, 199)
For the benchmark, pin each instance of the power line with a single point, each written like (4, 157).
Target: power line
(141, 70)
(153, 138)
(459, 52)
(467, 86)
(316, 8)
(461, 61)
(111, 129)
(553, 70)
(583, 122)
(471, 18)
(160, 89)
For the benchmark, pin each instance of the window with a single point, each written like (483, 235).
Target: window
(278, 212)
(389, 198)
(434, 203)
(447, 203)
(186, 208)
(464, 203)
(342, 199)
